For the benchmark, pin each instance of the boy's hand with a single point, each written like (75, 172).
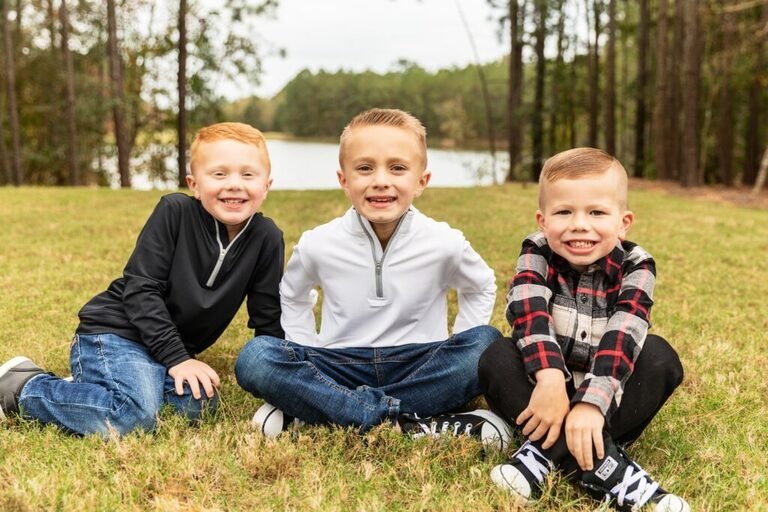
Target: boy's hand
(584, 429)
(195, 373)
(547, 408)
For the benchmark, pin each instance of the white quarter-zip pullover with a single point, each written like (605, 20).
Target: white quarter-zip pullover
(383, 298)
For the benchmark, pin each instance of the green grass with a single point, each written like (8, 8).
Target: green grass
(59, 247)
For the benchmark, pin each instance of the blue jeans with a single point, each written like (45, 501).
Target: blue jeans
(117, 386)
(364, 386)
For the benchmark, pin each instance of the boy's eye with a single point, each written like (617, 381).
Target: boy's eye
(399, 168)
(562, 212)
(597, 213)
(364, 168)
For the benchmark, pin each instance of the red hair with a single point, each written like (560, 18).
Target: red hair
(240, 132)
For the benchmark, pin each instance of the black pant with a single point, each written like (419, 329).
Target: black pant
(657, 373)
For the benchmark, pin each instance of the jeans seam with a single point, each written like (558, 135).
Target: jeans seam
(123, 397)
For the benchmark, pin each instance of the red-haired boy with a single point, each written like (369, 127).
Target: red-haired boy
(195, 261)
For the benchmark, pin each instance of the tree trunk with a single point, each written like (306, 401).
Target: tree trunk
(691, 78)
(557, 78)
(725, 119)
(624, 139)
(756, 108)
(676, 93)
(10, 88)
(537, 128)
(610, 82)
(56, 92)
(661, 112)
(182, 87)
(118, 99)
(762, 174)
(642, 80)
(74, 171)
(594, 76)
(514, 88)
(7, 171)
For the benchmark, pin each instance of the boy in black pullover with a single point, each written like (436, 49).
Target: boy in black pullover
(194, 263)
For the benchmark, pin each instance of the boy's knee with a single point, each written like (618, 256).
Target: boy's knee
(194, 409)
(255, 361)
(493, 359)
(480, 337)
(665, 359)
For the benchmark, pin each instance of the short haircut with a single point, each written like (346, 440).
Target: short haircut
(240, 132)
(386, 117)
(579, 162)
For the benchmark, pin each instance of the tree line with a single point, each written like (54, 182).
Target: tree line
(675, 88)
(92, 84)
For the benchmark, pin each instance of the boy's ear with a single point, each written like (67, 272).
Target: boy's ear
(627, 219)
(423, 182)
(192, 184)
(540, 219)
(342, 180)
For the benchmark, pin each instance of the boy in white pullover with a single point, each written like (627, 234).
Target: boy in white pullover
(383, 353)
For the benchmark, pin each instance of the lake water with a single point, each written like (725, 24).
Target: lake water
(312, 165)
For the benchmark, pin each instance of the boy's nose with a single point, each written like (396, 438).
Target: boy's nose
(579, 222)
(234, 183)
(380, 178)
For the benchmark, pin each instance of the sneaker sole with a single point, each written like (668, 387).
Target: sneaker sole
(508, 478)
(262, 423)
(16, 361)
(497, 435)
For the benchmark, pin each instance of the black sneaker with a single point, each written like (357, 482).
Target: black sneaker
(13, 375)
(523, 474)
(272, 422)
(619, 480)
(488, 427)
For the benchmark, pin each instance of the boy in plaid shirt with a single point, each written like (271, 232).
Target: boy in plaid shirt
(581, 375)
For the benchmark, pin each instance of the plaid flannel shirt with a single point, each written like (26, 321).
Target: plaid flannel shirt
(592, 323)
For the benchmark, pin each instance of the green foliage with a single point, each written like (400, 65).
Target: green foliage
(448, 102)
(60, 247)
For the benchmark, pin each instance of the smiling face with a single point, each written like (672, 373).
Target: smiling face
(382, 172)
(583, 218)
(231, 179)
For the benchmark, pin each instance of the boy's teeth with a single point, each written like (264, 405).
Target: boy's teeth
(581, 244)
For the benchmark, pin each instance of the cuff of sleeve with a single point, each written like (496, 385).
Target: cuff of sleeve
(173, 354)
(592, 391)
(545, 354)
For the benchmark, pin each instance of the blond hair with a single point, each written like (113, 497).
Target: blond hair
(579, 162)
(240, 132)
(386, 117)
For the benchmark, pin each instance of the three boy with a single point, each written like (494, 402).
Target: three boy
(581, 375)
(579, 307)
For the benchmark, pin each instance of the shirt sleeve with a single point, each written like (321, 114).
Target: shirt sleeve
(528, 309)
(624, 335)
(146, 280)
(475, 285)
(298, 317)
(263, 301)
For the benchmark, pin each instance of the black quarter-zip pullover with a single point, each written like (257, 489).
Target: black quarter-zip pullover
(185, 281)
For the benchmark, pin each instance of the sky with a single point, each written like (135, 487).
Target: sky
(356, 35)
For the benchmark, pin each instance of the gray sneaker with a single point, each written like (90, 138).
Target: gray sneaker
(13, 375)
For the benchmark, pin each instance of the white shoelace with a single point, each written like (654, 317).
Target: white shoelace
(531, 458)
(641, 494)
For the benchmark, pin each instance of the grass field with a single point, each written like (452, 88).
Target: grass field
(59, 247)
